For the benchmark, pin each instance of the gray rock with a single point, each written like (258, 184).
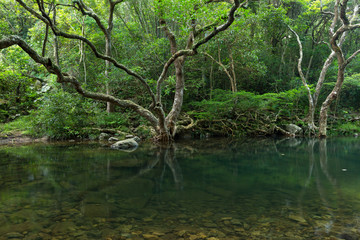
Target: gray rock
(113, 139)
(127, 144)
(104, 136)
(293, 129)
(129, 136)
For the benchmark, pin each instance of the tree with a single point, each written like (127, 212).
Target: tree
(336, 39)
(198, 33)
(340, 18)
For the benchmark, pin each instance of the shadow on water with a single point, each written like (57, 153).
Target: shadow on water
(210, 189)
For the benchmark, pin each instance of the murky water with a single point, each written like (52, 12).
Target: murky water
(211, 189)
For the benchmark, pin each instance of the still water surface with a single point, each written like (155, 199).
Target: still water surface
(210, 189)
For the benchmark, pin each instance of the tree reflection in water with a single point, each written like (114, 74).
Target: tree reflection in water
(225, 190)
(319, 162)
(166, 154)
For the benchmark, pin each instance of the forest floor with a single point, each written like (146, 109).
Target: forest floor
(17, 137)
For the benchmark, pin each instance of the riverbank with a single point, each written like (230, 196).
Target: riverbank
(18, 137)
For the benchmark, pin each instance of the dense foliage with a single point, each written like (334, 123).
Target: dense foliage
(258, 53)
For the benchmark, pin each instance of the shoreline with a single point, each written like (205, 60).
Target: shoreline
(21, 139)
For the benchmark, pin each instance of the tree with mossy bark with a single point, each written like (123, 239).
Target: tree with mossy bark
(200, 20)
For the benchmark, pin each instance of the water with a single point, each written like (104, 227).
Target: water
(211, 189)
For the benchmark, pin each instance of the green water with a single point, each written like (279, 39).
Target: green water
(210, 189)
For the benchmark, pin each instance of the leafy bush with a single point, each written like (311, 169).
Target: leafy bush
(349, 94)
(120, 121)
(226, 104)
(348, 129)
(244, 113)
(63, 115)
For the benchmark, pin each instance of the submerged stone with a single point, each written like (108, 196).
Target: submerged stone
(124, 228)
(298, 218)
(22, 216)
(108, 233)
(235, 222)
(20, 228)
(97, 210)
(149, 236)
(210, 225)
(63, 227)
(11, 235)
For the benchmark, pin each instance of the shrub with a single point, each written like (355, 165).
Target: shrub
(348, 129)
(63, 115)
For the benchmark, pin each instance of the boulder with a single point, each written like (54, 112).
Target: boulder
(104, 136)
(113, 139)
(293, 129)
(127, 144)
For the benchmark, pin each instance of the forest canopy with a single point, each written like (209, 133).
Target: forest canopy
(167, 68)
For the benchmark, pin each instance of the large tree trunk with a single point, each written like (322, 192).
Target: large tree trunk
(178, 98)
(340, 12)
(310, 119)
(319, 84)
(330, 98)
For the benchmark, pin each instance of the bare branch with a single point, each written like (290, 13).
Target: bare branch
(33, 12)
(311, 102)
(343, 16)
(111, 15)
(193, 50)
(302, 76)
(221, 65)
(328, 13)
(335, 19)
(217, 30)
(352, 57)
(205, 28)
(170, 35)
(85, 10)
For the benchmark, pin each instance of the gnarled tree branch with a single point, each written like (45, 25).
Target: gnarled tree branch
(67, 78)
(57, 32)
